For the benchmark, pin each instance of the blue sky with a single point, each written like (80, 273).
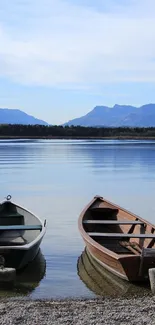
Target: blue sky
(59, 59)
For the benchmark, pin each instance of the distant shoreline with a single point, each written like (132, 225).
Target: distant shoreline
(76, 138)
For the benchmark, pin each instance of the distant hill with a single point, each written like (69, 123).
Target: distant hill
(118, 115)
(15, 116)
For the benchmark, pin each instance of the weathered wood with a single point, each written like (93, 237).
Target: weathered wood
(151, 243)
(129, 246)
(119, 235)
(148, 252)
(104, 209)
(136, 246)
(152, 279)
(113, 222)
(131, 230)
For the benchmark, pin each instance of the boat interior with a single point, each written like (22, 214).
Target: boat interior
(17, 226)
(118, 230)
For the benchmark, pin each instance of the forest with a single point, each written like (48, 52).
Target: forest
(53, 131)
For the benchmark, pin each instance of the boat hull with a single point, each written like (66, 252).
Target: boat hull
(122, 267)
(117, 266)
(107, 262)
(19, 258)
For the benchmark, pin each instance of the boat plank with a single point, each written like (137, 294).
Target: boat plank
(113, 222)
(119, 235)
(104, 208)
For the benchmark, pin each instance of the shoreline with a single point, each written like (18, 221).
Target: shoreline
(108, 311)
(76, 138)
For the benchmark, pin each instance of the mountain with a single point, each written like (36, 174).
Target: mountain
(15, 116)
(118, 115)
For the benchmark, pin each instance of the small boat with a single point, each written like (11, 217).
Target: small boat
(118, 240)
(21, 233)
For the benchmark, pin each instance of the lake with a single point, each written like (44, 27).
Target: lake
(55, 179)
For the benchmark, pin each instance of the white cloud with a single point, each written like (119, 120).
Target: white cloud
(56, 43)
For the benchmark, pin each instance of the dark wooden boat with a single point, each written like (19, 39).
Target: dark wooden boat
(118, 240)
(21, 233)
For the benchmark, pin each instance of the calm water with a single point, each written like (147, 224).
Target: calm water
(55, 179)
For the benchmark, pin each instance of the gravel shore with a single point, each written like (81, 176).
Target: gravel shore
(97, 311)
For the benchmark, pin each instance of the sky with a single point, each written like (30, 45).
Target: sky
(61, 58)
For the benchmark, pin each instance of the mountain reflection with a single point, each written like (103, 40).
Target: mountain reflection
(115, 154)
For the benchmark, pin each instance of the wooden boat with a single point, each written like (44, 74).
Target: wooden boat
(118, 240)
(21, 233)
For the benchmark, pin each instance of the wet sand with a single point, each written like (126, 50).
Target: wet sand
(118, 311)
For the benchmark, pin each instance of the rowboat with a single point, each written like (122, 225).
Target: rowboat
(118, 240)
(21, 233)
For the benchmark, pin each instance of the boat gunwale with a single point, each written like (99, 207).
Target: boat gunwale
(33, 242)
(93, 242)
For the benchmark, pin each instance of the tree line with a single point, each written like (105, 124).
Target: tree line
(17, 130)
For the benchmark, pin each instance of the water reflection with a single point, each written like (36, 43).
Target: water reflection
(103, 283)
(27, 279)
(116, 154)
(55, 179)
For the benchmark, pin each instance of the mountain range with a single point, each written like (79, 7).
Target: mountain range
(117, 116)
(16, 116)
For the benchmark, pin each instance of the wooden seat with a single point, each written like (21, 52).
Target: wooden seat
(119, 235)
(104, 209)
(113, 222)
(11, 215)
(11, 218)
(21, 227)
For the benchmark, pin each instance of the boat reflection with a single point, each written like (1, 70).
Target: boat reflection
(27, 279)
(102, 282)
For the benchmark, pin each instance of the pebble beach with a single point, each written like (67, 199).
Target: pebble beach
(110, 311)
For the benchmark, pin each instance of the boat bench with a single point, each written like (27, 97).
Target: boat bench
(11, 218)
(21, 227)
(11, 215)
(113, 222)
(104, 209)
(119, 235)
